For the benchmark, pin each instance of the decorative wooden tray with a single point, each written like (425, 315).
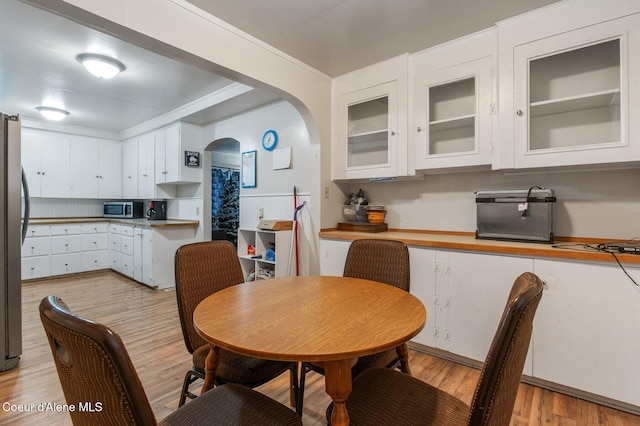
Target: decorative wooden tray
(362, 227)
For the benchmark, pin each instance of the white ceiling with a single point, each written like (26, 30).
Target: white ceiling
(38, 51)
(38, 66)
(338, 36)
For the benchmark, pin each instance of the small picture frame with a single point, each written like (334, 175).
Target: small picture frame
(249, 169)
(192, 158)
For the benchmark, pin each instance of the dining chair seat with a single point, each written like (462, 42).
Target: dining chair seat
(234, 368)
(417, 404)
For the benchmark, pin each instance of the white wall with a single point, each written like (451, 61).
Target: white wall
(604, 204)
(274, 188)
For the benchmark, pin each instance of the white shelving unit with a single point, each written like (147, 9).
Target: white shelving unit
(261, 241)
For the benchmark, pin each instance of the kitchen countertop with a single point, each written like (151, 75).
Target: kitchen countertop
(138, 222)
(563, 248)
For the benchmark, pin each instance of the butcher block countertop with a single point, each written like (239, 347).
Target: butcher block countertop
(564, 248)
(169, 223)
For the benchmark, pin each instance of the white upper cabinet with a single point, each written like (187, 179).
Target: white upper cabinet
(453, 103)
(171, 145)
(96, 168)
(370, 122)
(130, 168)
(138, 167)
(45, 159)
(567, 96)
(146, 166)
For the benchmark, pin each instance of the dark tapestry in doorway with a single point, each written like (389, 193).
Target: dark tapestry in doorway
(225, 204)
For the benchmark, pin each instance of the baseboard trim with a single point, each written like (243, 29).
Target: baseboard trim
(545, 384)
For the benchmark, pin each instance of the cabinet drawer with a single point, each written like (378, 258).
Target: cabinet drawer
(37, 246)
(115, 261)
(66, 244)
(94, 260)
(66, 263)
(95, 242)
(115, 242)
(38, 231)
(70, 229)
(127, 230)
(127, 245)
(36, 267)
(115, 228)
(95, 228)
(127, 265)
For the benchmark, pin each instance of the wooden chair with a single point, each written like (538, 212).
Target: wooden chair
(385, 261)
(387, 397)
(202, 269)
(101, 383)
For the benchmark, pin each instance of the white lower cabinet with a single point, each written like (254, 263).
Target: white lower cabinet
(146, 254)
(66, 247)
(333, 254)
(586, 333)
(465, 295)
(51, 250)
(121, 248)
(36, 267)
(36, 251)
(142, 255)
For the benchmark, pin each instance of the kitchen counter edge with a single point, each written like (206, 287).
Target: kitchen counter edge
(169, 223)
(563, 248)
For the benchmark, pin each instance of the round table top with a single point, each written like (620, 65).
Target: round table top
(309, 318)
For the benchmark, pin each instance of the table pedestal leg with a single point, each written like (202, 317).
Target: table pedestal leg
(403, 354)
(337, 376)
(210, 366)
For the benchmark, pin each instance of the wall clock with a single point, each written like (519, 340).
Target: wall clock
(269, 140)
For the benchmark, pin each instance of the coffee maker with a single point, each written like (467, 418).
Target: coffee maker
(156, 210)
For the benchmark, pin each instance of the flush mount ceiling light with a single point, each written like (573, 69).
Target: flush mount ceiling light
(101, 66)
(53, 114)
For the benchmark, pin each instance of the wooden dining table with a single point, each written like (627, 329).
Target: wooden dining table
(327, 320)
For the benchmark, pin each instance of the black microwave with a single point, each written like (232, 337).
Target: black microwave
(123, 209)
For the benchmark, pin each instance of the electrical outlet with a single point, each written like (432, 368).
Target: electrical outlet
(260, 213)
(326, 192)
(197, 211)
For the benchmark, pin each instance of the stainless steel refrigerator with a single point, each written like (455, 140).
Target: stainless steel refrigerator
(13, 230)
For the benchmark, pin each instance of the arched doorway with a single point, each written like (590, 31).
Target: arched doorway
(222, 189)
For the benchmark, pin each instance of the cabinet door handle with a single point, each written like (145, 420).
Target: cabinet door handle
(419, 129)
(393, 133)
(519, 113)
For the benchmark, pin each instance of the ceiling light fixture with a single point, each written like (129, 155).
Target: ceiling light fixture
(101, 66)
(53, 114)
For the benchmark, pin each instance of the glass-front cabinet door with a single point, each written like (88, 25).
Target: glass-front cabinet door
(368, 133)
(572, 98)
(367, 126)
(453, 108)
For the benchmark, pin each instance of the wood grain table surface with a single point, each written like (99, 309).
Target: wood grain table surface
(320, 319)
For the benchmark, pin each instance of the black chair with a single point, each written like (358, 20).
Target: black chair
(100, 381)
(385, 397)
(385, 261)
(202, 269)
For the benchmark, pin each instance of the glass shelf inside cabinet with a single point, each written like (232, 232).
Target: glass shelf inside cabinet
(452, 117)
(368, 132)
(575, 98)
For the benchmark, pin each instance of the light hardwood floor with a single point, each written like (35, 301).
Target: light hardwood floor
(147, 320)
